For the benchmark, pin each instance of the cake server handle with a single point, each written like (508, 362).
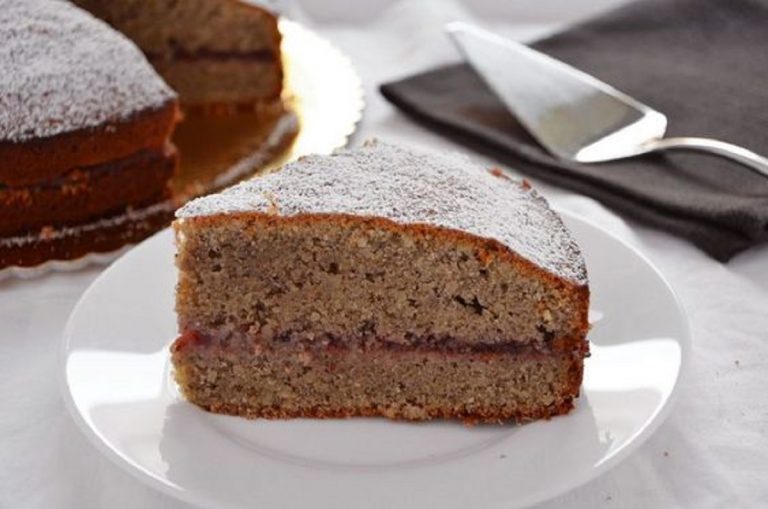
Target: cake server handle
(746, 157)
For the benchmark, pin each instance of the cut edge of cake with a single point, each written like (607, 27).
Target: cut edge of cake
(221, 56)
(225, 347)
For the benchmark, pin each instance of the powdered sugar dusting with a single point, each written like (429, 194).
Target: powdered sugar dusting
(62, 70)
(406, 186)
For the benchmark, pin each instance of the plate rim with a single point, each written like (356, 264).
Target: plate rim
(683, 373)
(202, 499)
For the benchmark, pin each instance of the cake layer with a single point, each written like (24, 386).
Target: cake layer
(307, 278)
(283, 381)
(163, 27)
(37, 160)
(100, 236)
(88, 193)
(249, 82)
(261, 55)
(412, 188)
(219, 55)
(247, 339)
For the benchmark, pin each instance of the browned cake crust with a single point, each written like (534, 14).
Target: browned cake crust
(86, 194)
(100, 236)
(379, 281)
(28, 162)
(546, 309)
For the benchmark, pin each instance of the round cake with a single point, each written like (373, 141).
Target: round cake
(86, 159)
(85, 124)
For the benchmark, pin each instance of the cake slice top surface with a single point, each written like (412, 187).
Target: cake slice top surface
(410, 187)
(64, 70)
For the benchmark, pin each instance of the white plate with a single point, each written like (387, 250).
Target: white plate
(116, 384)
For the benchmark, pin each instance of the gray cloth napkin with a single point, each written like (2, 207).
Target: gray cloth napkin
(704, 63)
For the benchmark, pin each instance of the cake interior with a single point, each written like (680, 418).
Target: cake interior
(214, 53)
(253, 380)
(331, 315)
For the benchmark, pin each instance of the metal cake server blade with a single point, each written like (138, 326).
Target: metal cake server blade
(572, 114)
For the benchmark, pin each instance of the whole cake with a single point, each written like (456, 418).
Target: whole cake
(379, 281)
(85, 124)
(219, 55)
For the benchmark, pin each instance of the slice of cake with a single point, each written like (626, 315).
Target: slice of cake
(219, 55)
(379, 281)
(85, 124)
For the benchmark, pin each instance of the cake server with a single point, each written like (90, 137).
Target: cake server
(572, 114)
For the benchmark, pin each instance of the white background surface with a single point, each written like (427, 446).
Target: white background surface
(712, 452)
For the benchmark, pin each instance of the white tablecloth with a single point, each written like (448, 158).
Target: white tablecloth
(711, 452)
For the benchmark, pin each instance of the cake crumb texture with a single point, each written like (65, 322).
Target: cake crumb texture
(379, 281)
(220, 56)
(285, 383)
(408, 186)
(313, 278)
